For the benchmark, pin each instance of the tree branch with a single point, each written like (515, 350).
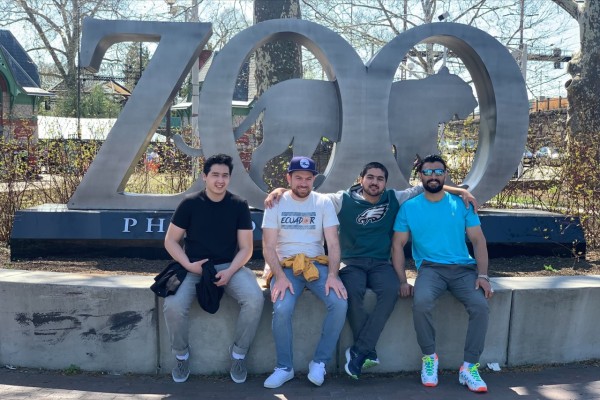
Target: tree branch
(571, 7)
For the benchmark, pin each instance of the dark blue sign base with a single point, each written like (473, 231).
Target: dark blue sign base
(531, 232)
(52, 230)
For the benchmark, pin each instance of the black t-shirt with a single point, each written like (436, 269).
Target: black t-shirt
(211, 227)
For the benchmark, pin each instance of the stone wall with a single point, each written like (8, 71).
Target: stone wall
(115, 324)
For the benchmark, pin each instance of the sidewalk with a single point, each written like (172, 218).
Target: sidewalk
(579, 381)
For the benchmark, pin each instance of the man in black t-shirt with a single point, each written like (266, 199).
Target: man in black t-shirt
(215, 225)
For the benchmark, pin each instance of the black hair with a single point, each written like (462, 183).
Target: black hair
(374, 164)
(217, 159)
(430, 159)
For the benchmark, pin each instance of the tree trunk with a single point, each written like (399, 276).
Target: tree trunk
(582, 183)
(584, 86)
(276, 61)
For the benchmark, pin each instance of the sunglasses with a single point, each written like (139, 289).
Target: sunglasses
(437, 172)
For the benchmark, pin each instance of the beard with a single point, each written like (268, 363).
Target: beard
(301, 192)
(373, 190)
(433, 189)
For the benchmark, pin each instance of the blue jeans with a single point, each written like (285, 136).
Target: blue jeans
(242, 286)
(283, 311)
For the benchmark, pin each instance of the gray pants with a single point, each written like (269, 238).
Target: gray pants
(379, 276)
(242, 286)
(432, 281)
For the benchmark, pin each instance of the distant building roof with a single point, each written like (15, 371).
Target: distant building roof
(21, 66)
(116, 87)
(110, 87)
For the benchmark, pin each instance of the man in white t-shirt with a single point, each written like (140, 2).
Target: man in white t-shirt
(293, 233)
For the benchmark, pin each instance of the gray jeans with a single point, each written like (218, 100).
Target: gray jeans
(432, 281)
(242, 286)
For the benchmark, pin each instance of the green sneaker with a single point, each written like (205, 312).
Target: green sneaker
(429, 371)
(370, 362)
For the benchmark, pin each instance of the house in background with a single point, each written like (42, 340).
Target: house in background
(244, 96)
(20, 92)
(110, 87)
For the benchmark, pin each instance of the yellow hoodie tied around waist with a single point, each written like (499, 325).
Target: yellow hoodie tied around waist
(301, 264)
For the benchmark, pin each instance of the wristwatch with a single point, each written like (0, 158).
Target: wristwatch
(483, 276)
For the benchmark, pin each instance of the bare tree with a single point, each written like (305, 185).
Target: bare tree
(136, 60)
(57, 27)
(584, 86)
(369, 24)
(228, 19)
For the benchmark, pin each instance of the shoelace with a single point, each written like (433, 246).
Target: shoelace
(475, 372)
(428, 364)
(181, 365)
(237, 365)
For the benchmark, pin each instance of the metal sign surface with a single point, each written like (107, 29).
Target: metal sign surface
(359, 107)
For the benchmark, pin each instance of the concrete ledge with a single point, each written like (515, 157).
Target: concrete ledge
(553, 319)
(52, 320)
(210, 356)
(99, 323)
(398, 349)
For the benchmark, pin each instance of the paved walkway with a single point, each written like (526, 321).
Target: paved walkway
(569, 382)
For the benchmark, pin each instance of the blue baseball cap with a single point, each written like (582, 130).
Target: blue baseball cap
(302, 164)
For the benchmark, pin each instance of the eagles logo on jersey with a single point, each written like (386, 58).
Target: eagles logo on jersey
(372, 214)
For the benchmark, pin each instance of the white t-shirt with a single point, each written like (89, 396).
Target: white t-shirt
(300, 224)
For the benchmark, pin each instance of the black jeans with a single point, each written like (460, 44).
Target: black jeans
(379, 276)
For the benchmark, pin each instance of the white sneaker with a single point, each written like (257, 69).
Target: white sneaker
(278, 378)
(429, 371)
(316, 372)
(470, 377)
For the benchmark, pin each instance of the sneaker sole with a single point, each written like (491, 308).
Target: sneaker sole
(348, 358)
(314, 381)
(237, 380)
(180, 380)
(475, 390)
(429, 384)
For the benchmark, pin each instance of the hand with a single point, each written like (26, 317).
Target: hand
(282, 283)
(196, 267)
(486, 286)
(273, 198)
(406, 289)
(467, 198)
(335, 283)
(223, 277)
(266, 271)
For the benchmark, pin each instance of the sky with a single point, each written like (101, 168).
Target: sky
(547, 81)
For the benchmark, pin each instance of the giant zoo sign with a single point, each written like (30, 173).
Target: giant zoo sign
(359, 107)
